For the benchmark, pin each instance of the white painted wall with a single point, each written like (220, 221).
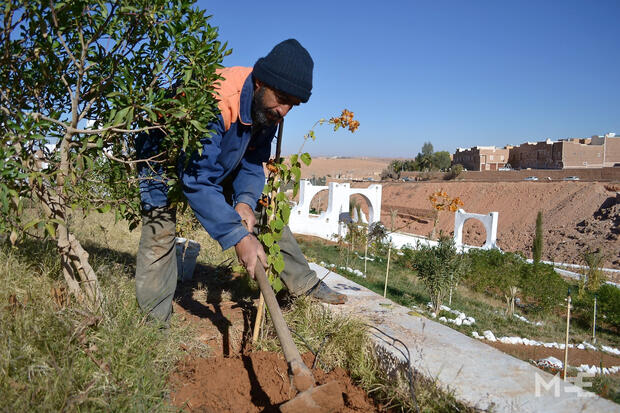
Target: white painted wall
(325, 225)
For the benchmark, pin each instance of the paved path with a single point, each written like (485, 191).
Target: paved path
(479, 375)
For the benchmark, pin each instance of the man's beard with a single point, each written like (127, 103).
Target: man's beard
(262, 117)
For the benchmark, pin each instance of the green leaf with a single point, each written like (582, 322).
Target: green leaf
(121, 115)
(50, 229)
(267, 239)
(185, 138)
(31, 224)
(278, 264)
(277, 285)
(305, 158)
(296, 173)
(104, 208)
(278, 224)
(198, 126)
(274, 249)
(285, 210)
(188, 76)
(293, 159)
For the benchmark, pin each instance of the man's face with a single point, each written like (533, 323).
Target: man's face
(269, 105)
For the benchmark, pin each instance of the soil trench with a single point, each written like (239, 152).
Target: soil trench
(257, 382)
(232, 378)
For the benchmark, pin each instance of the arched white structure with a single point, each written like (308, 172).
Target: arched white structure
(326, 224)
(490, 225)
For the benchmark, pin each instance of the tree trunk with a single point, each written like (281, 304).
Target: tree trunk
(437, 305)
(79, 275)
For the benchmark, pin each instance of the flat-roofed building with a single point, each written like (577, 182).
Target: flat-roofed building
(481, 158)
(594, 152)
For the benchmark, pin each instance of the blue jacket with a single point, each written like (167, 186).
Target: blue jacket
(231, 151)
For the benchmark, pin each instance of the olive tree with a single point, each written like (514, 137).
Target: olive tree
(78, 81)
(439, 268)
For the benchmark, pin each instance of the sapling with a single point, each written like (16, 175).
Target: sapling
(537, 246)
(439, 268)
(276, 203)
(393, 215)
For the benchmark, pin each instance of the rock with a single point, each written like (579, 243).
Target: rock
(488, 334)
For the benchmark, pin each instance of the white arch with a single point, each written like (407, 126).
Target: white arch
(326, 224)
(490, 225)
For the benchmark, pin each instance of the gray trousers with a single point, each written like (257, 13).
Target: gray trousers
(156, 265)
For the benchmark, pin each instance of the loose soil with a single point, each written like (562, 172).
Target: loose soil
(257, 382)
(232, 377)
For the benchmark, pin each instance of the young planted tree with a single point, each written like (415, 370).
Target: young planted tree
(277, 208)
(439, 268)
(128, 67)
(393, 215)
(537, 246)
(594, 277)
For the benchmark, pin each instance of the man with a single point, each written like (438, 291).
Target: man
(224, 183)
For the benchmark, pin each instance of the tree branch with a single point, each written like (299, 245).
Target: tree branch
(104, 25)
(60, 37)
(114, 128)
(147, 160)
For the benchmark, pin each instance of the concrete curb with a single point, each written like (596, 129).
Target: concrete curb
(477, 374)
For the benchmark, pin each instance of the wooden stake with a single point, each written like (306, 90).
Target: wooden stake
(259, 318)
(567, 330)
(594, 323)
(365, 255)
(387, 271)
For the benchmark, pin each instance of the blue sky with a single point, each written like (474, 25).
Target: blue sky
(455, 73)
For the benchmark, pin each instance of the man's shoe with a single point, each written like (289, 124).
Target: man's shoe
(325, 294)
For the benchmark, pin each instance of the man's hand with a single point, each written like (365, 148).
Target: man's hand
(247, 215)
(248, 250)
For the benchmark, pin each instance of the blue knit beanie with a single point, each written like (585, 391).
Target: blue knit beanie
(287, 68)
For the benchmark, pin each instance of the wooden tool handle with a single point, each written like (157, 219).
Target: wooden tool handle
(303, 378)
(284, 335)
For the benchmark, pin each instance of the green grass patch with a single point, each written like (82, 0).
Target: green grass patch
(343, 341)
(57, 356)
(486, 306)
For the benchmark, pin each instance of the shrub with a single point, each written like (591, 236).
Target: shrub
(608, 304)
(489, 269)
(542, 287)
(406, 257)
(593, 274)
(454, 171)
(378, 238)
(439, 268)
(496, 273)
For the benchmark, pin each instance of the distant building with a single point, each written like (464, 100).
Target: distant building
(481, 158)
(594, 152)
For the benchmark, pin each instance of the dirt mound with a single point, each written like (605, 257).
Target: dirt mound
(576, 215)
(351, 168)
(233, 378)
(257, 382)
